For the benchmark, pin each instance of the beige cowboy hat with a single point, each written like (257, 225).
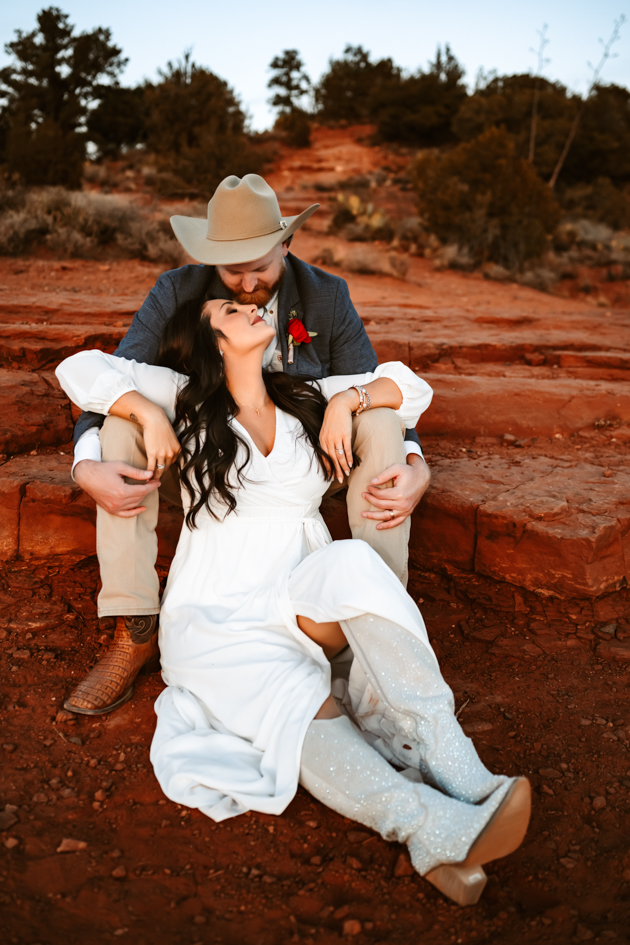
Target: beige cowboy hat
(243, 224)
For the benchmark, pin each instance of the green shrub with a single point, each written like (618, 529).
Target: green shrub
(485, 199)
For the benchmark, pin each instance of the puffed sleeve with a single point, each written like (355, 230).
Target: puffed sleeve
(94, 381)
(416, 393)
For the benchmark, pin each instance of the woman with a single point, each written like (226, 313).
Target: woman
(259, 600)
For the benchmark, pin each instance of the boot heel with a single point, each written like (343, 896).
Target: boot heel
(463, 884)
(153, 666)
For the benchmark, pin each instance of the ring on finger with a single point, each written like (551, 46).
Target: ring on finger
(391, 513)
(160, 465)
(339, 449)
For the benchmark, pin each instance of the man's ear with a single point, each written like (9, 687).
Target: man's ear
(285, 246)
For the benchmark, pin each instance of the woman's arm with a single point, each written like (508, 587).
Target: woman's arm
(94, 381)
(391, 385)
(142, 393)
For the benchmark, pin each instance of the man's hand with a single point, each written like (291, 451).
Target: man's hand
(410, 482)
(105, 483)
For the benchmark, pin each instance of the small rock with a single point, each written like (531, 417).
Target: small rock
(608, 473)
(11, 842)
(341, 912)
(582, 934)
(315, 861)
(353, 863)
(40, 798)
(121, 931)
(64, 716)
(100, 796)
(472, 727)
(547, 790)
(67, 792)
(119, 873)
(352, 927)
(509, 438)
(115, 854)
(200, 920)
(7, 819)
(254, 873)
(585, 722)
(268, 879)
(568, 862)
(68, 845)
(55, 783)
(75, 740)
(9, 747)
(313, 824)
(21, 654)
(550, 773)
(403, 866)
(599, 802)
(358, 836)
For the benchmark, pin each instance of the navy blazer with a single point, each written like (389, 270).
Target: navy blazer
(320, 299)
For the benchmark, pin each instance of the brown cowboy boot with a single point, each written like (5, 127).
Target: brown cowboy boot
(110, 683)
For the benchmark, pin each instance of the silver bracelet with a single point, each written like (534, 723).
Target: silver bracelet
(364, 399)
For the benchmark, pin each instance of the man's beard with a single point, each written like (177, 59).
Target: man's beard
(261, 295)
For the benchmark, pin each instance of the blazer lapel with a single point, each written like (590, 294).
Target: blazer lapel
(288, 302)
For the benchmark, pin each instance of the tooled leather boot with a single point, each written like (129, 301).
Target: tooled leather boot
(110, 683)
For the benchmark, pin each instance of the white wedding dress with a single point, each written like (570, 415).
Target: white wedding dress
(243, 682)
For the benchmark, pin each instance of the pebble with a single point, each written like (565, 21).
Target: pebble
(549, 773)
(39, 798)
(119, 873)
(200, 920)
(100, 796)
(269, 879)
(7, 819)
(599, 802)
(75, 740)
(68, 792)
(352, 927)
(568, 862)
(354, 864)
(68, 845)
(547, 790)
(608, 473)
(315, 861)
(358, 836)
(9, 747)
(11, 842)
(403, 866)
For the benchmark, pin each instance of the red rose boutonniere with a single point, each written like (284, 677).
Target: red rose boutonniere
(297, 334)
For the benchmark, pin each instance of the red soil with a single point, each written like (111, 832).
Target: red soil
(542, 678)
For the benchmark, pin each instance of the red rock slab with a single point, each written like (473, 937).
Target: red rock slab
(34, 412)
(39, 346)
(558, 527)
(524, 407)
(43, 512)
(73, 310)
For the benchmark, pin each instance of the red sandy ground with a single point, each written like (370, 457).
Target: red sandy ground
(153, 872)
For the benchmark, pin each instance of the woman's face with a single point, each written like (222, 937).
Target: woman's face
(243, 328)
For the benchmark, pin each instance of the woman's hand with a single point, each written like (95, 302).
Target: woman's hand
(336, 431)
(161, 444)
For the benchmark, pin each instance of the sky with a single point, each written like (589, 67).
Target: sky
(238, 42)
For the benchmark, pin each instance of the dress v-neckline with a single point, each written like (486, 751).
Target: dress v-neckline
(252, 440)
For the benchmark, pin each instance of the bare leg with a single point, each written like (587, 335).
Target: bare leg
(329, 636)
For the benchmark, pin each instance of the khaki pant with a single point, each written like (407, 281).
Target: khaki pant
(127, 547)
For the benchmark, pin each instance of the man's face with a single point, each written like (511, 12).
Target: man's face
(255, 282)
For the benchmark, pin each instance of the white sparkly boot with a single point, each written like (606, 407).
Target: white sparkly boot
(409, 709)
(448, 840)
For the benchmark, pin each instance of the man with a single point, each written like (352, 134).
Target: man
(243, 247)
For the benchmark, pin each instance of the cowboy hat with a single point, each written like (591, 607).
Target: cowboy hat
(243, 224)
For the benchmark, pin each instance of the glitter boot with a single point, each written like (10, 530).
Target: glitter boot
(409, 708)
(442, 834)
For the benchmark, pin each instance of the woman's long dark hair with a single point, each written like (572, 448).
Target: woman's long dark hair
(205, 405)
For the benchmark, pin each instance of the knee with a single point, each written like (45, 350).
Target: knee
(120, 440)
(382, 421)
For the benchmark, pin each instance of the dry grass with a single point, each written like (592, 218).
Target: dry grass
(89, 226)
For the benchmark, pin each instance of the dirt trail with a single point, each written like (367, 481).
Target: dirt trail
(539, 667)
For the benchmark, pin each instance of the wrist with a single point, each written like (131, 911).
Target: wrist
(348, 398)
